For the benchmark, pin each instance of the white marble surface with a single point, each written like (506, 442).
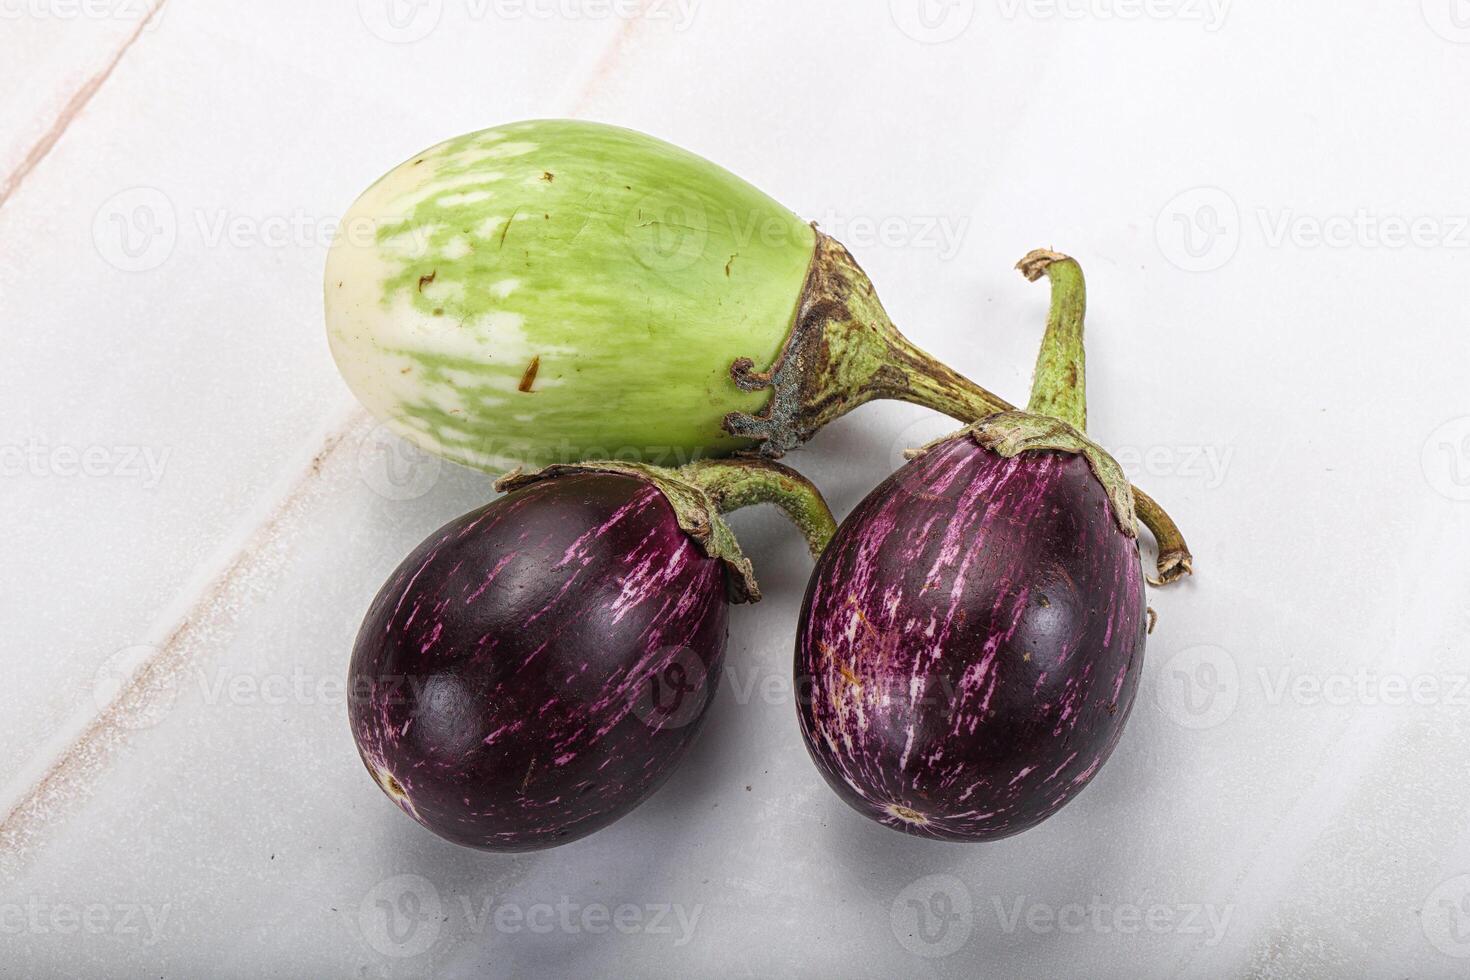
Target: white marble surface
(197, 515)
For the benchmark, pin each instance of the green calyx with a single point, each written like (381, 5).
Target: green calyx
(1009, 434)
(844, 351)
(1056, 416)
(1056, 419)
(702, 492)
(555, 291)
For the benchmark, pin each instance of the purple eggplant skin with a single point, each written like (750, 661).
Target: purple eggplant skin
(971, 642)
(538, 667)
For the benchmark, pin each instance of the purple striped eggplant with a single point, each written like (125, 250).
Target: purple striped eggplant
(537, 668)
(971, 641)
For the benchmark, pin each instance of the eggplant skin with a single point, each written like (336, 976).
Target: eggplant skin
(971, 643)
(538, 667)
(632, 275)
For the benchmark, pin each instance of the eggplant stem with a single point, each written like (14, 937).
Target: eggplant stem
(1175, 561)
(733, 484)
(936, 386)
(844, 351)
(1059, 389)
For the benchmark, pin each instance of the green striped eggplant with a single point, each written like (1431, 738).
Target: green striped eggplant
(554, 291)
